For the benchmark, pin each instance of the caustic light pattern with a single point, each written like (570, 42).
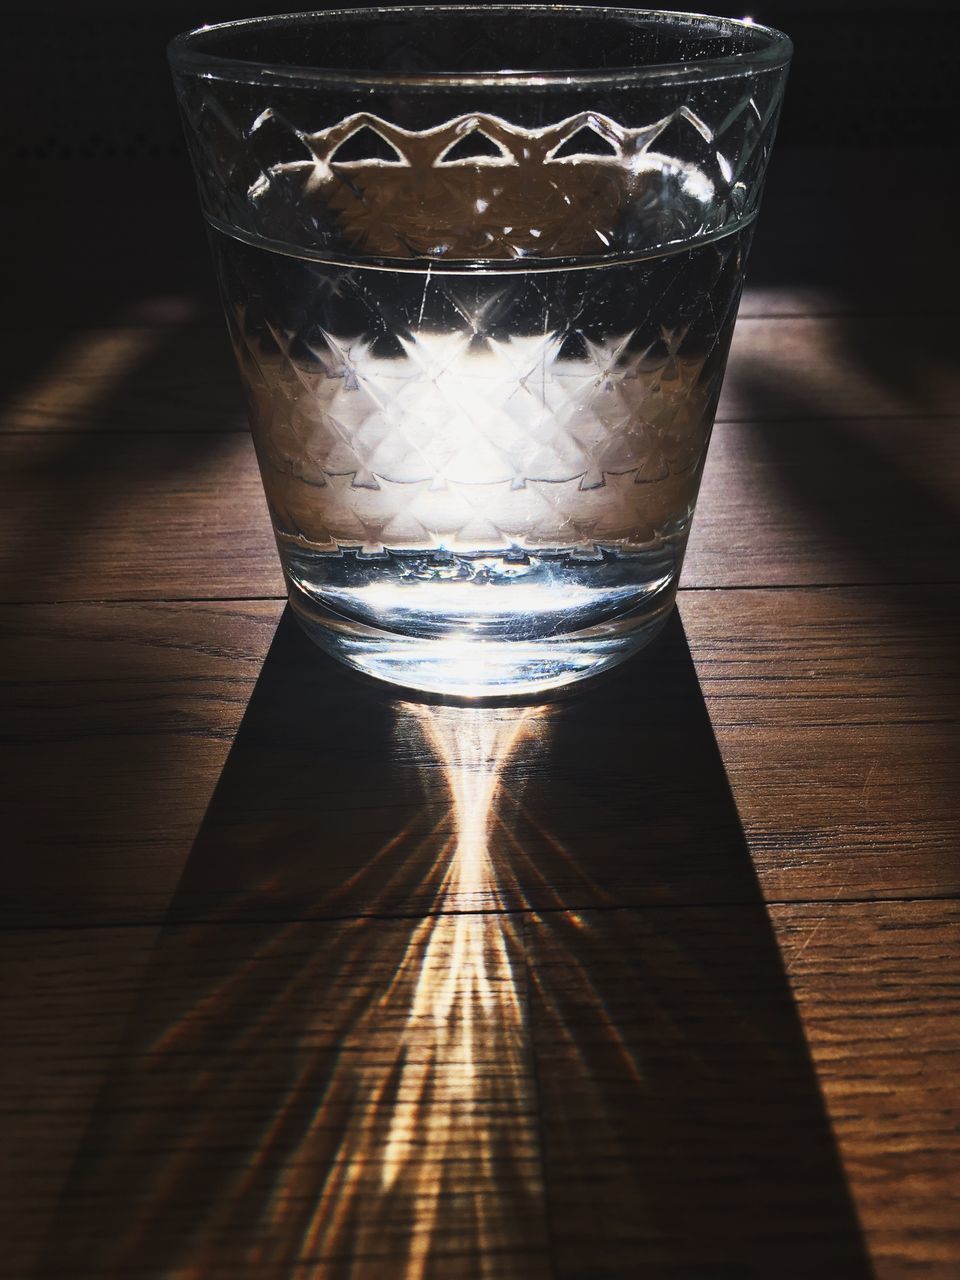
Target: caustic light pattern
(537, 411)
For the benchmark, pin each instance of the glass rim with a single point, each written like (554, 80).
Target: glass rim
(185, 56)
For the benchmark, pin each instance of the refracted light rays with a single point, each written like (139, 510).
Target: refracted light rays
(455, 1094)
(356, 1097)
(465, 991)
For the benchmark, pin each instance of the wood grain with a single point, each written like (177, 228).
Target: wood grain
(301, 977)
(163, 377)
(63, 1002)
(835, 714)
(290, 1100)
(116, 723)
(181, 377)
(837, 717)
(160, 516)
(143, 516)
(812, 367)
(802, 503)
(877, 988)
(642, 1032)
(689, 1090)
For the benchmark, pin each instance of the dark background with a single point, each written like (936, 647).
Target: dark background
(86, 82)
(100, 213)
(96, 167)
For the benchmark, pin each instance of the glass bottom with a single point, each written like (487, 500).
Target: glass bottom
(482, 665)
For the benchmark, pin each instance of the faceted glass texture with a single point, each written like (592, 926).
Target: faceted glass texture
(481, 314)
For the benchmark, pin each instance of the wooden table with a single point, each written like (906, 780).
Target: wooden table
(303, 981)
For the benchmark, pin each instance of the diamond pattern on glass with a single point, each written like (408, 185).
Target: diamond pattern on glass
(530, 411)
(527, 197)
(517, 192)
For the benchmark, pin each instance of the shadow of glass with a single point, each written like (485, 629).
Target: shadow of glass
(464, 991)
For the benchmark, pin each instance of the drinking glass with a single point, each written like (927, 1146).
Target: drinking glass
(480, 268)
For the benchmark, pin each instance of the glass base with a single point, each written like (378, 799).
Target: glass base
(464, 666)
